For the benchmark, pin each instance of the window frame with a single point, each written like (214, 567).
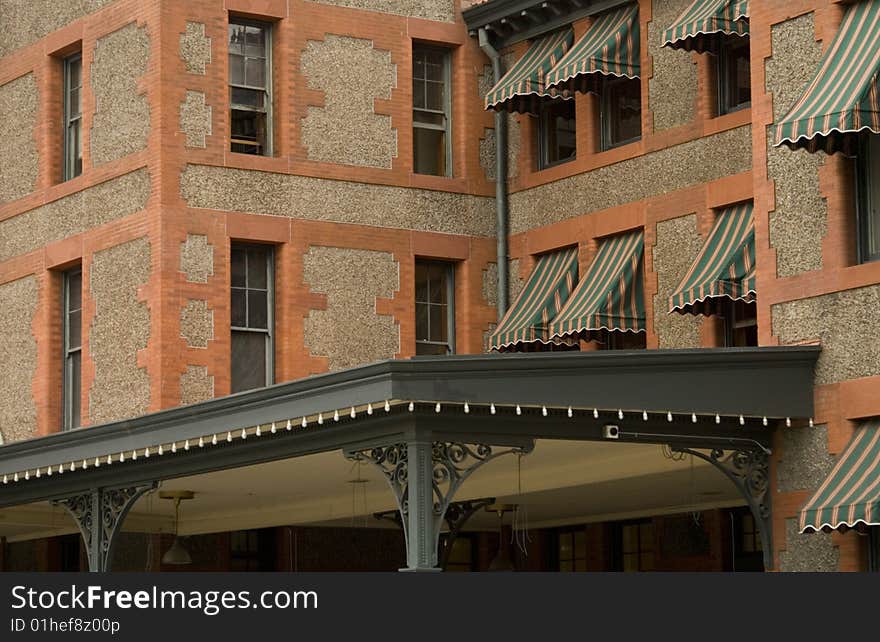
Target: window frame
(605, 113)
(543, 126)
(67, 373)
(722, 56)
(68, 165)
(874, 549)
(449, 266)
(269, 331)
(268, 28)
(865, 192)
(620, 549)
(577, 555)
(447, 105)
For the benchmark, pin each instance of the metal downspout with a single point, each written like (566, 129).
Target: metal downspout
(501, 205)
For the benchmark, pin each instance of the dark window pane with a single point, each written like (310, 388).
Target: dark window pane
(74, 74)
(432, 349)
(239, 308)
(258, 309)
(74, 388)
(437, 321)
(248, 131)
(437, 292)
(429, 147)
(557, 134)
(429, 118)
(580, 565)
(74, 291)
(434, 66)
(74, 330)
(421, 282)
(418, 66)
(238, 268)
(255, 39)
(236, 69)
(735, 74)
(257, 262)
(236, 38)
(74, 108)
(254, 98)
(435, 95)
(623, 115)
(870, 206)
(248, 360)
(419, 94)
(422, 322)
(255, 72)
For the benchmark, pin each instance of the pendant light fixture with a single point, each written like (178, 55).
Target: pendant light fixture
(177, 555)
(502, 561)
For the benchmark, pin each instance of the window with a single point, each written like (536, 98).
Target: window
(740, 325)
(868, 193)
(252, 550)
(874, 549)
(72, 335)
(250, 87)
(617, 340)
(734, 75)
(252, 318)
(432, 146)
(556, 132)
(571, 549)
(637, 546)
(747, 546)
(435, 309)
(72, 165)
(620, 111)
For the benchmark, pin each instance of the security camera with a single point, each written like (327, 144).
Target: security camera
(610, 431)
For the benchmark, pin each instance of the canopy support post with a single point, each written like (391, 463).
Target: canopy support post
(424, 476)
(98, 513)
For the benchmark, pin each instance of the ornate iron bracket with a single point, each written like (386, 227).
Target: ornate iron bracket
(451, 464)
(749, 470)
(98, 514)
(457, 515)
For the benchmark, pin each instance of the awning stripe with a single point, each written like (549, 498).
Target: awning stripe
(843, 98)
(546, 291)
(725, 266)
(524, 83)
(850, 495)
(609, 47)
(706, 20)
(610, 295)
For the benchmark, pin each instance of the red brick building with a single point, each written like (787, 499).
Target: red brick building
(202, 198)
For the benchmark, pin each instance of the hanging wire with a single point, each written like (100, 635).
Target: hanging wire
(520, 531)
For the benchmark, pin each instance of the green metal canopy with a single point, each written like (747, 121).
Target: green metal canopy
(725, 266)
(610, 296)
(609, 47)
(705, 21)
(843, 98)
(524, 84)
(545, 292)
(850, 495)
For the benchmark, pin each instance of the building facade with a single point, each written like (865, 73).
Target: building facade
(204, 198)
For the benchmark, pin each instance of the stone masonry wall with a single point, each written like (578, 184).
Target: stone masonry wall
(678, 243)
(119, 330)
(18, 305)
(350, 332)
(19, 161)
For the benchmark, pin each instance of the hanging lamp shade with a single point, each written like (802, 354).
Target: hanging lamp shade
(177, 555)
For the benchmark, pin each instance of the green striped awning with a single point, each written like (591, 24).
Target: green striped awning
(725, 266)
(545, 292)
(523, 85)
(609, 47)
(850, 495)
(610, 295)
(843, 98)
(705, 21)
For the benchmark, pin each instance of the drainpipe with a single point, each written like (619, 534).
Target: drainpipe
(500, 178)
